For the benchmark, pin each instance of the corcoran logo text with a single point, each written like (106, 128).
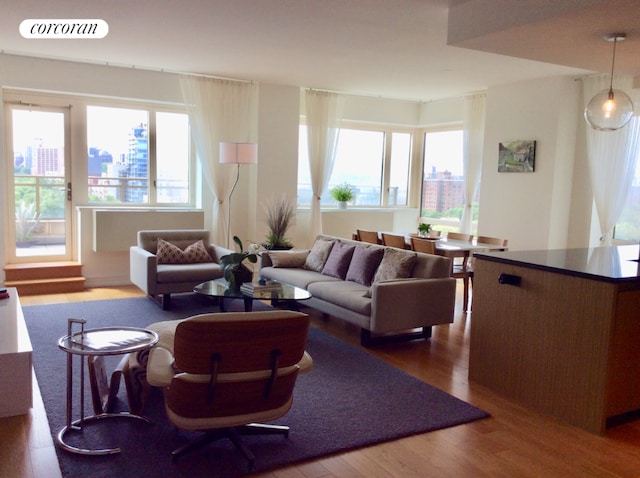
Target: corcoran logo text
(64, 28)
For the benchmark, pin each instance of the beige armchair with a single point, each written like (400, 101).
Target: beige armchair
(223, 372)
(161, 280)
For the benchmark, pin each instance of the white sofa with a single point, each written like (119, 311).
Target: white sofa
(161, 280)
(389, 309)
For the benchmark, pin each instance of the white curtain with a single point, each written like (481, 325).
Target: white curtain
(473, 145)
(612, 157)
(219, 111)
(323, 111)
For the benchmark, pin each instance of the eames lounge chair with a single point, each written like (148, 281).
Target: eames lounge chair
(223, 372)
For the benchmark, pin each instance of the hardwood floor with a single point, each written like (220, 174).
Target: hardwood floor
(514, 442)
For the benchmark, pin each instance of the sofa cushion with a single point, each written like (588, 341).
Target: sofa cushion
(169, 253)
(290, 259)
(338, 261)
(363, 264)
(349, 295)
(318, 255)
(395, 264)
(297, 277)
(194, 273)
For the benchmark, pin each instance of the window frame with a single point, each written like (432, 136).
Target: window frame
(446, 223)
(152, 109)
(387, 131)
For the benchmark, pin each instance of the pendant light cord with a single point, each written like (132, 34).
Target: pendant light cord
(613, 62)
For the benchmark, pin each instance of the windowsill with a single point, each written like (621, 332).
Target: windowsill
(137, 208)
(361, 209)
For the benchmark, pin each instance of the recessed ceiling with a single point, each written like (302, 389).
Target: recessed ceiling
(393, 49)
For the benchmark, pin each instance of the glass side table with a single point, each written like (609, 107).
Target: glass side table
(97, 342)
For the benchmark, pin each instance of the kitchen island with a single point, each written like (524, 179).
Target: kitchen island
(559, 330)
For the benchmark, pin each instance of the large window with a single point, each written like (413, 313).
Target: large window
(137, 156)
(628, 226)
(362, 157)
(443, 178)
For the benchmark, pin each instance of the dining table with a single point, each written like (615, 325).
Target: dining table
(453, 247)
(448, 247)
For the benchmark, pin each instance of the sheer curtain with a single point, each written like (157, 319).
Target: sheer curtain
(219, 110)
(473, 145)
(323, 111)
(612, 157)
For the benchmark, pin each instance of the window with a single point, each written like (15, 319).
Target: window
(137, 156)
(443, 177)
(628, 226)
(361, 159)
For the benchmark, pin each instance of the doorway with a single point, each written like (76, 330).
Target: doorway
(39, 185)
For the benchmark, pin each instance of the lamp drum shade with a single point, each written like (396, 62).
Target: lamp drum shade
(239, 153)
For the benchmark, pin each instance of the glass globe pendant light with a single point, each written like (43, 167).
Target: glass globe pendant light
(610, 110)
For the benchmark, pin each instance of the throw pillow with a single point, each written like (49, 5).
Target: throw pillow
(338, 261)
(171, 254)
(291, 259)
(318, 255)
(395, 264)
(364, 263)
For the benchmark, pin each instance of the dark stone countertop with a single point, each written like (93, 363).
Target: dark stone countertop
(611, 264)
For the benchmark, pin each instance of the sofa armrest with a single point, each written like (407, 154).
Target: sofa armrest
(218, 251)
(264, 260)
(409, 303)
(143, 269)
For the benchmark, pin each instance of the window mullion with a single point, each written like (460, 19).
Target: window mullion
(153, 196)
(386, 169)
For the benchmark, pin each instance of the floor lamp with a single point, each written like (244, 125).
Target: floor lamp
(237, 153)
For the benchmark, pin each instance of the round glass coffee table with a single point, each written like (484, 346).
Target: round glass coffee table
(276, 292)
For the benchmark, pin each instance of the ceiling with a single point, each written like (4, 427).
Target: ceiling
(410, 49)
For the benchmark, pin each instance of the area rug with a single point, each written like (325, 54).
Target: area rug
(349, 400)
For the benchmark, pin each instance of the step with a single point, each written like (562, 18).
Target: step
(42, 270)
(47, 286)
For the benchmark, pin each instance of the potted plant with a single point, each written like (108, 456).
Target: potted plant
(343, 193)
(26, 222)
(234, 271)
(279, 216)
(424, 229)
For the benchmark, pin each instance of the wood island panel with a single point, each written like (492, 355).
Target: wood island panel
(565, 345)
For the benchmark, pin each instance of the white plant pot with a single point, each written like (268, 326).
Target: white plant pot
(342, 205)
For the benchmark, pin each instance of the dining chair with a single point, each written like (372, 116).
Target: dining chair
(494, 241)
(393, 240)
(458, 236)
(462, 269)
(423, 245)
(368, 236)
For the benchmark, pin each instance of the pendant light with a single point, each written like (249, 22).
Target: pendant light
(610, 110)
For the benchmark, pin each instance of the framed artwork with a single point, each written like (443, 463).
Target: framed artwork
(516, 156)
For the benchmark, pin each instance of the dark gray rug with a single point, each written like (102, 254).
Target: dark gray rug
(349, 400)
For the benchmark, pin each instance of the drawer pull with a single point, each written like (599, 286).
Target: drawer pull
(509, 279)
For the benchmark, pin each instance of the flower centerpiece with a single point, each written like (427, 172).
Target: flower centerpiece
(424, 229)
(234, 271)
(279, 216)
(343, 193)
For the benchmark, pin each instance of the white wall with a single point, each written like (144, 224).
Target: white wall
(548, 208)
(532, 210)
